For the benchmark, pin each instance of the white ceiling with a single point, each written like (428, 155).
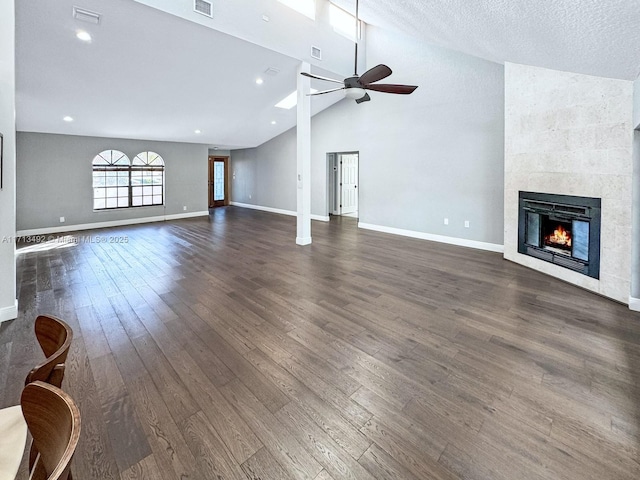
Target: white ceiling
(148, 75)
(595, 37)
(151, 75)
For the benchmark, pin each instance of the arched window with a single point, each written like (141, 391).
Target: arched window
(120, 183)
(147, 179)
(111, 180)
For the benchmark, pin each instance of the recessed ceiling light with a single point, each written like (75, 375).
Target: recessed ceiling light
(84, 36)
(68, 119)
(198, 131)
(273, 122)
(259, 81)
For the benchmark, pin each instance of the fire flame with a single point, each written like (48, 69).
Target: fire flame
(560, 236)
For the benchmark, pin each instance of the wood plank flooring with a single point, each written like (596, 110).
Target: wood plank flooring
(215, 348)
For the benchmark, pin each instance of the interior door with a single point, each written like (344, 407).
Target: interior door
(218, 181)
(349, 183)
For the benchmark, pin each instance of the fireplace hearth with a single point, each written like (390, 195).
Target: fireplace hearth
(561, 229)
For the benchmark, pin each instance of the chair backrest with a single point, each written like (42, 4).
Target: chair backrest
(54, 337)
(53, 420)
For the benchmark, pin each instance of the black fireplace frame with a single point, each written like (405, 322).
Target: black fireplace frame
(566, 208)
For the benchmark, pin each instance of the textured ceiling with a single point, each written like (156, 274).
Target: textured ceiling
(595, 37)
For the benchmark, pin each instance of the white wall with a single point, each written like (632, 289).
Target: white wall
(572, 134)
(287, 31)
(634, 295)
(54, 176)
(436, 153)
(8, 303)
(634, 300)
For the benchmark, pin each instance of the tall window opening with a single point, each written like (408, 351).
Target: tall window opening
(111, 180)
(147, 179)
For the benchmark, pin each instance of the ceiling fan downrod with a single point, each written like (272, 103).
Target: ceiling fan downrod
(356, 86)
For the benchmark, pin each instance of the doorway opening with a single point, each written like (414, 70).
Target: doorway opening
(218, 181)
(343, 183)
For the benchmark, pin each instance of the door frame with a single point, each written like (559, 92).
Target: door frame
(218, 203)
(334, 179)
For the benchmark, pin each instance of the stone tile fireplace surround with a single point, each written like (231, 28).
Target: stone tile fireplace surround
(572, 134)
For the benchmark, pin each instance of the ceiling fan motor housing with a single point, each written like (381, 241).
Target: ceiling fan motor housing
(353, 88)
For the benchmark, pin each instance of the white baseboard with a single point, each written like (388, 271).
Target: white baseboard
(634, 304)
(178, 216)
(9, 313)
(462, 242)
(112, 223)
(291, 213)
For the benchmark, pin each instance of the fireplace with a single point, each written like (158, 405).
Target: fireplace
(561, 229)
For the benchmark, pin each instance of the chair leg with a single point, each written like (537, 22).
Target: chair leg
(33, 455)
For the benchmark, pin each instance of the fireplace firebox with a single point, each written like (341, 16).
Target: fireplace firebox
(561, 229)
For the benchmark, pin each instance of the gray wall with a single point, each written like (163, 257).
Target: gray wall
(636, 103)
(8, 192)
(266, 175)
(54, 179)
(436, 153)
(219, 153)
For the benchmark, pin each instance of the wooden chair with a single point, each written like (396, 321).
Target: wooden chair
(54, 337)
(53, 420)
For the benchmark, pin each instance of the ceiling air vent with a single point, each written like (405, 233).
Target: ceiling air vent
(316, 53)
(86, 15)
(273, 71)
(203, 7)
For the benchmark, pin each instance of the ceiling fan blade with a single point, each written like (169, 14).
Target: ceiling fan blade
(390, 88)
(326, 91)
(374, 74)
(318, 77)
(366, 98)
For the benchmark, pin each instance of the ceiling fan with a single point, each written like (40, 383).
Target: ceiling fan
(355, 86)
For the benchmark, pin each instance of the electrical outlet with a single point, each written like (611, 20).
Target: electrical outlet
(466, 224)
(184, 208)
(61, 219)
(446, 221)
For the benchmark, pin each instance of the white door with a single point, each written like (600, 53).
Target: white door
(349, 186)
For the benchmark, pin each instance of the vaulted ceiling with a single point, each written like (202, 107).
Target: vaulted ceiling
(147, 74)
(151, 75)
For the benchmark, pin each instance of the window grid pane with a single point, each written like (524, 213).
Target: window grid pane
(120, 183)
(218, 181)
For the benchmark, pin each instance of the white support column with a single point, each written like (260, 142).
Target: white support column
(8, 302)
(303, 180)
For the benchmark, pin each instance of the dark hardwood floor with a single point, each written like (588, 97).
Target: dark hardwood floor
(215, 348)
